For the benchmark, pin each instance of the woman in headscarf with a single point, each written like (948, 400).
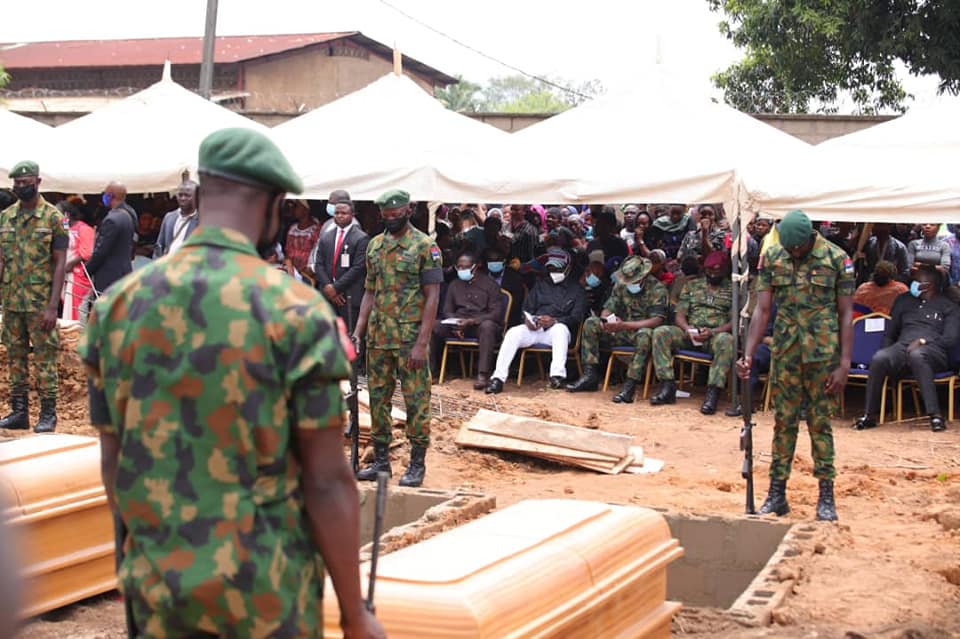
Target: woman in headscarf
(671, 229)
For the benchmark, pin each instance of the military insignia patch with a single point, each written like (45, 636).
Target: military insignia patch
(848, 266)
(435, 253)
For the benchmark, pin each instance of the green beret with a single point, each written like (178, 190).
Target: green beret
(795, 229)
(634, 269)
(25, 168)
(249, 157)
(393, 199)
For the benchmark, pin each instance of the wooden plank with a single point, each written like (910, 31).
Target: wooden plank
(551, 433)
(474, 439)
(606, 468)
(363, 399)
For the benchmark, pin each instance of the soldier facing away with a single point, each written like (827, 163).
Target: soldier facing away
(33, 255)
(812, 282)
(214, 383)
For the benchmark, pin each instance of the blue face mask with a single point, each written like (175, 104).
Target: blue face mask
(634, 288)
(614, 278)
(593, 281)
(915, 288)
(495, 267)
(465, 274)
(588, 234)
(331, 209)
(106, 198)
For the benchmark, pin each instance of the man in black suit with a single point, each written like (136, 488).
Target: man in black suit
(339, 262)
(509, 280)
(113, 246)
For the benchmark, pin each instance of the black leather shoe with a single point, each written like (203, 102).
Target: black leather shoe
(666, 395)
(937, 424)
(589, 381)
(826, 507)
(627, 393)
(709, 406)
(734, 411)
(494, 387)
(864, 422)
(482, 380)
(776, 501)
(556, 382)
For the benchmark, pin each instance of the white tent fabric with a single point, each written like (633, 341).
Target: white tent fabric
(145, 141)
(386, 135)
(20, 139)
(899, 171)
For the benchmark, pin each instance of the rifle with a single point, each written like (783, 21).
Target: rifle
(353, 400)
(119, 535)
(746, 438)
(377, 530)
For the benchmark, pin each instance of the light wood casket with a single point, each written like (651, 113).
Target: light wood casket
(56, 508)
(540, 568)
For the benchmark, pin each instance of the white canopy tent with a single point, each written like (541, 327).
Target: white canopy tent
(20, 139)
(386, 135)
(899, 171)
(145, 141)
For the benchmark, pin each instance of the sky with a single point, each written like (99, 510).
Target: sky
(614, 41)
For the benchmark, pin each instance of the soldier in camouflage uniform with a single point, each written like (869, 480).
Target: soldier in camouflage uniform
(636, 306)
(812, 282)
(705, 307)
(215, 385)
(404, 272)
(33, 254)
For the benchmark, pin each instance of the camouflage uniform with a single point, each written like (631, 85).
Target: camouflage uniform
(397, 269)
(705, 306)
(201, 363)
(28, 239)
(806, 347)
(648, 303)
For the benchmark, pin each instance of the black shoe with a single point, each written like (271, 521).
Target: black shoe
(666, 395)
(589, 381)
(709, 405)
(482, 380)
(734, 411)
(937, 424)
(18, 419)
(47, 423)
(417, 468)
(826, 507)
(776, 501)
(494, 387)
(381, 463)
(556, 382)
(627, 393)
(864, 422)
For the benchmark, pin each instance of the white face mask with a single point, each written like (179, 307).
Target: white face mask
(558, 277)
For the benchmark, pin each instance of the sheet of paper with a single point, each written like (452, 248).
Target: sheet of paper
(452, 321)
(873, 325)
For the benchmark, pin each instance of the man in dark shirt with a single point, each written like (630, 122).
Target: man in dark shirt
(606, 238)
(473, 307)
(923, 328)
(509, 280)
(525, 241)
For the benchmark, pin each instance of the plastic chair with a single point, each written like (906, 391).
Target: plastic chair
(865, 346)
(470, 343)
(948, 377)
(540, 349)
(627, 352)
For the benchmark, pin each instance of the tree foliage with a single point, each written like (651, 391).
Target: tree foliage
(517, 94)
(803, 54)
(4, 77)
(461, 97)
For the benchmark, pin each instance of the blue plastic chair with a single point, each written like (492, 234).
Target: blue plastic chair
(948, 377)
(865, 346)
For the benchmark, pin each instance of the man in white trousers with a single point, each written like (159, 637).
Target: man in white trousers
(552, 312)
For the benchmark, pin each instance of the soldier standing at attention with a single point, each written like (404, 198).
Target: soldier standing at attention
(812, 281)
(214, 383)
(404, 272)
(33, 255)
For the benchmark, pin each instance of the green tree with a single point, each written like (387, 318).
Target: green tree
(808, 53)
(461, 97)
(524, 94)
(4, 77)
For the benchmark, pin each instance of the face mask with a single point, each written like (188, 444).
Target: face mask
(715, 280)
(558, 277)
(395, 224)
(634, 288)
(881, 280)
(915, 288)
(588, 234)
(105, 198)
(495, 267)
(331, 209)
(614, 278)
(593, 281)
(465, 274)
(25, 193)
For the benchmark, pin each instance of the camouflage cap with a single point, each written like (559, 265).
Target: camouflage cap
(795, 229)
(633, 270)
(25, 168)
(249, 157)
(393, 199)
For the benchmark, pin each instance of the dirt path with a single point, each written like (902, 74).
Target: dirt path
(889, 569)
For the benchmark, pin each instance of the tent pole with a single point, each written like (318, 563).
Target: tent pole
(209, 39)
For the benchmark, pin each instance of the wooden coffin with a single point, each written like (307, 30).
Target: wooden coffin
(540, 568)
(57, 510)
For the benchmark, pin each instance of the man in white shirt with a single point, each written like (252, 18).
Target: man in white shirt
(178, 224)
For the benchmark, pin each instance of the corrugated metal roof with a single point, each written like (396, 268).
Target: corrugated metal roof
(151, 52)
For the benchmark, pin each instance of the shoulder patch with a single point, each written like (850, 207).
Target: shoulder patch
(435, 253)
(848, 266)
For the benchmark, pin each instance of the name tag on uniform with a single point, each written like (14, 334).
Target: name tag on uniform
(344, 260)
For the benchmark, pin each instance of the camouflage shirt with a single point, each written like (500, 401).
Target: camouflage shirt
(28, 240)
(651, 301)
(202, 362)
(706, 306)
(397, 269)
(806, 297)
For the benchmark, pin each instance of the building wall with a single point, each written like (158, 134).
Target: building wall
(296, 82)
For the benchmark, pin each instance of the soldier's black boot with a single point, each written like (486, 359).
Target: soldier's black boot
(417, 468)
(589, 381)
(666, 395)
(709, 405)
(381, 462)
(48, 417)
(18, 418)
(776, 501)
(826, 507)
(627, 393)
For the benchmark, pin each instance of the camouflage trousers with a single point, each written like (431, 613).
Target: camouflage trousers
(593, 337)
(795, 382)
(383, 369)
(668, 338)
(19, 331)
